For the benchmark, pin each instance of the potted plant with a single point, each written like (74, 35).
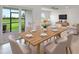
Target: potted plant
(45, 25)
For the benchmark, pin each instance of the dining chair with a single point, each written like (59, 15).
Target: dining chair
(28, 30)
(62, 38)
(77, 28)
(68, 44)
(18, 48)
(53, 48)
(63, 44)
(66, 36)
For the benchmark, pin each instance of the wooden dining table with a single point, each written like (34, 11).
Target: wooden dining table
(37, 39)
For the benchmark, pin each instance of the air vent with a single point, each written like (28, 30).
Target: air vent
(55, 8)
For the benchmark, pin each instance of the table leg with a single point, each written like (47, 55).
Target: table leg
(58, 36)
(38, 48)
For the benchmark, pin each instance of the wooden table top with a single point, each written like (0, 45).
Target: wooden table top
(37, 39)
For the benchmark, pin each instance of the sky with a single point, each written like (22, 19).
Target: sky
(6, 13)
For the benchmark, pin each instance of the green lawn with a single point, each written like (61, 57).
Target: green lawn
(15, 24)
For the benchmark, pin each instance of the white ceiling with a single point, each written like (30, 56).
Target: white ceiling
(61, 6)
(53, 6)
(47, 6)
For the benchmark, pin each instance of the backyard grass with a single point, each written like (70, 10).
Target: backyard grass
(15, 24)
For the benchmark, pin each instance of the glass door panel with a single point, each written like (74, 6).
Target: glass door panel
(6, 20)
(14, 22)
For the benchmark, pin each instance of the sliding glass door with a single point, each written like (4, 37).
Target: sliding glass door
(6, 20)
(14, 20)
(10, 20)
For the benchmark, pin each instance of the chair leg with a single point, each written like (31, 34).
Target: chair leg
(55, 39)
(44, 52)
(50, 39)
(25, 41)
(56, 42)
(70, 50)
(66, 50)
(47, 40)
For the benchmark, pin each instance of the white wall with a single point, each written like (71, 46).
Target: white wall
(28, 19)
(72, 15)
(36, 15)
(54, 15)
(46, 14)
